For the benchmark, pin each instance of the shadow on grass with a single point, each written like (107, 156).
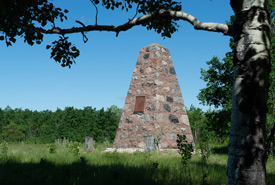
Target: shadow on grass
(220, 150)
(81, 173)
(270, 179)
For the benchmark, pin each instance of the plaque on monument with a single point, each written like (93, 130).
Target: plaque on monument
(139, 105)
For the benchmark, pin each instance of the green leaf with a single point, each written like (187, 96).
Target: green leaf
(12, 39)
(74, 48)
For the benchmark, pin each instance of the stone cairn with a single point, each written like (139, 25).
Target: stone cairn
(154, 110)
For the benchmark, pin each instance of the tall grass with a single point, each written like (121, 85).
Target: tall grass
(34, 164)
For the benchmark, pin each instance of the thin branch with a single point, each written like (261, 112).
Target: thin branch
(96, 11)
(85, 38)
(164, 14)
(136, 11)
(82, 24)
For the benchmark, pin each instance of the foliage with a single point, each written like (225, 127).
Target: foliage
(185, 151)
(28, 13)
(19, 18)
(63, 52)
(4, 148)
(165, 27)
(12, 132)
(218, 121)
(204, 150)
(203, 134)
(219, 83)
(74, 147)
(218, 93)
(271, 92)
(31, 20)
(197, 122)
(47, 126)
(115, 110)
(205, 153)
(219, 79)
(52, 148)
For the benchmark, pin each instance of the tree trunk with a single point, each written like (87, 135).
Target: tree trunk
(246, 158)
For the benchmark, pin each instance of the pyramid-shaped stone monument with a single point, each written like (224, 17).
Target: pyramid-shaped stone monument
(154, 105)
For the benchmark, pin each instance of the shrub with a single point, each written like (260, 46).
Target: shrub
(74, 147)
(185, 151)
(52, 148)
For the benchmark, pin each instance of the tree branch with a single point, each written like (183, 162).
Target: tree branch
(96, 11)
(164, 14)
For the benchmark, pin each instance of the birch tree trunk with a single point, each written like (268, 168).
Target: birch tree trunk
(247, 151)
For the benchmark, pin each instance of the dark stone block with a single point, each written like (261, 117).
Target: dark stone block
(167, 107)
(147, 49)
(169, 99)
(139, 63)
(172, 71)
(146, 56)
(173, 119)
(149, 83)
(141, 70)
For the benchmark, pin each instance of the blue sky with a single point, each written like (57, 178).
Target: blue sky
(101, 77)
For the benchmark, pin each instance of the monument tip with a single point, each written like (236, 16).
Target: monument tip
(155, 44)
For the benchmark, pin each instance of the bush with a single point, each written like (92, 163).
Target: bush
(74, 147)
(52, 148)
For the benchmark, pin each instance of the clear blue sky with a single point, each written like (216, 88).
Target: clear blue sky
(101, 77)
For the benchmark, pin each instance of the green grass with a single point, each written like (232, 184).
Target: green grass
(33, 164)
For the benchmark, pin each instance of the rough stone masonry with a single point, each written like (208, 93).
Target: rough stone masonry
(154, 105)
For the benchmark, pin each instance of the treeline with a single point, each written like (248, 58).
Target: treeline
(47, 126)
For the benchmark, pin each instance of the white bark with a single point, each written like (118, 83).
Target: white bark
(246, 160)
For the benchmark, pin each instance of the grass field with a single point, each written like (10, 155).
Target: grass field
(34, 164)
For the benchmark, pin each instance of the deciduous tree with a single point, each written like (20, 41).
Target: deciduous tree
(218, 93)
(251, 33)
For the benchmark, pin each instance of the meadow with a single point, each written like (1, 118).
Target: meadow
(29, 164)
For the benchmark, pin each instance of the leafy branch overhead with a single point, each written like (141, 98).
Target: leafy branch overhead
(31, 20)
(19, 18)
(63, 52)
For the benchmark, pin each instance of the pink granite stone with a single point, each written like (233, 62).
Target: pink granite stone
(163, 114)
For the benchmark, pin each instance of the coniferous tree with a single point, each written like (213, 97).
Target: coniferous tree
(251, 60)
